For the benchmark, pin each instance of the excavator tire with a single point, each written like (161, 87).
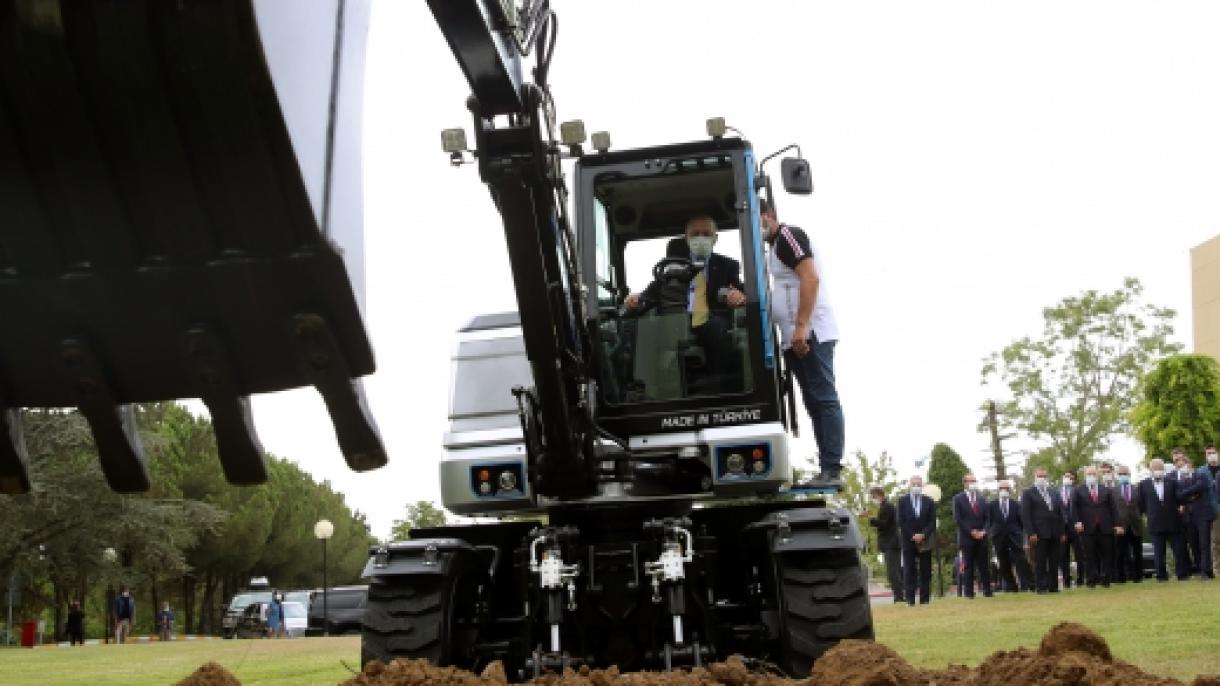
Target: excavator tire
(410, 616)
(823, 600)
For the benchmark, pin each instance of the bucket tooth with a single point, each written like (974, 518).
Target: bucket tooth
(210, 367)
(113, 425)
(330, 373)
(14, 461)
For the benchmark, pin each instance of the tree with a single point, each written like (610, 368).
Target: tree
(946, 469)
(1179, 405)
(1073, 388)
(420, 515)
(861, 475)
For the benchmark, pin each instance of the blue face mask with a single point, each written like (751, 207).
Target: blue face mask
(1124, 479)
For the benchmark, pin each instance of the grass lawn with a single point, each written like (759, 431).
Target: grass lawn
(303, 661)
(1169, 629)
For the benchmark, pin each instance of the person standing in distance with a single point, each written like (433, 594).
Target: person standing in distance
(1197, 494)
(1007, 538)
(801, 307)
(1042, 516)
(916, 526)
(973, 519)
(1213, 469)
(886, 523)
(1129, 547)
(1159, 501)
(1096, 524)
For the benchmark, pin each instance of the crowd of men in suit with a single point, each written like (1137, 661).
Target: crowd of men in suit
(1100, 523)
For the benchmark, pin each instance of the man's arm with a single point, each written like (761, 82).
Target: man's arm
(930, 508)
(808, 275)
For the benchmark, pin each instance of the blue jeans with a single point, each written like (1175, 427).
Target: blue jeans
(815, 375)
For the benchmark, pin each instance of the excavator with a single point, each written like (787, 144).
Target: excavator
(174, 227)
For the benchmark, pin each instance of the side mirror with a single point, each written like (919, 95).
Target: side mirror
(795, 173)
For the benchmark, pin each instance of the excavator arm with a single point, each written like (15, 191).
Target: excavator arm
(519, 161)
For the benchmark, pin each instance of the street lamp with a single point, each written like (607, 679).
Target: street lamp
(109, 555)
(323, 530)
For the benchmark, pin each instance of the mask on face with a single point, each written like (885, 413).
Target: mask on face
(1124, 479)
(876, 501)
(1213, 459)
(1158, 473)
(972, 487)
(1183, 470)
(1067, 482)
(1004, 495)
(700, 246)
(1040, 481)
(1090, 480)
(1108, 479)
(916, 490)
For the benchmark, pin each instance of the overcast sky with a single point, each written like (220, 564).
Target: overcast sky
(973, 161)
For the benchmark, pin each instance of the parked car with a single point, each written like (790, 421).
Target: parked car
(344, 611)
(253, 621)
(1149, 561)
(236, 608)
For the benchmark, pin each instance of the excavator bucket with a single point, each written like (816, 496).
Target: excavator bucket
(173, 226)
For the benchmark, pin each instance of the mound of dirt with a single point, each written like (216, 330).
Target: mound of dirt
(1069, 655)
(210, 674)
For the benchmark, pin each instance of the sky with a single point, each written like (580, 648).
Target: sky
(973, 163)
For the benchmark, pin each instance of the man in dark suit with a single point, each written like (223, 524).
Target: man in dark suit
(916, 526)
(706, 291)
(1195, 495)
(886, 523)
(973, 519)
(1072, 546)
(1159, 500)
(1129, 547)
(1007, 538)
(1042, 519)
(1095, 514)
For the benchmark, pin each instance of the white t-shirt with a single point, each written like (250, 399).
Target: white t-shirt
(791, 247)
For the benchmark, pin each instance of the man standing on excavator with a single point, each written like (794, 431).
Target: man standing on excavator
(801, 308)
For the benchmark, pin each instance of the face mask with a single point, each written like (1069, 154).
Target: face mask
(1003, 495)
(1213, 459)
(972, 487)
(876, 501)
(1107, 479)
(1090, 480)
(1158, 473)
(1040, 482)
(916, 490)
(1183, 470)
(1124, 479)
(700, 246)
(1067, 482)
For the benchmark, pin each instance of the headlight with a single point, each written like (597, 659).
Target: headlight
(735, 463)
(508, 481)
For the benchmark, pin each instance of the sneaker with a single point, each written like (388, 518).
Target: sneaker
(827, 479)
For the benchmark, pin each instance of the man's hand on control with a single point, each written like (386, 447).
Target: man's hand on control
(734, 297)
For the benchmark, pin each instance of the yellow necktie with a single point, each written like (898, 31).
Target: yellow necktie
(698, 313)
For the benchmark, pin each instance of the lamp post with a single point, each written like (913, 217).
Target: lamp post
(109, 555)
(323, 530)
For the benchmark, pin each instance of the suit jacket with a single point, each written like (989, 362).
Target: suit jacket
(1069, 507)
(1197, 495)
(1037, 517)
(1002, 526)
(886, 523)
(909, 524)
(1097, 517)
(969, 519)
(720, 272)
(1162, 514)
(1129, 517)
